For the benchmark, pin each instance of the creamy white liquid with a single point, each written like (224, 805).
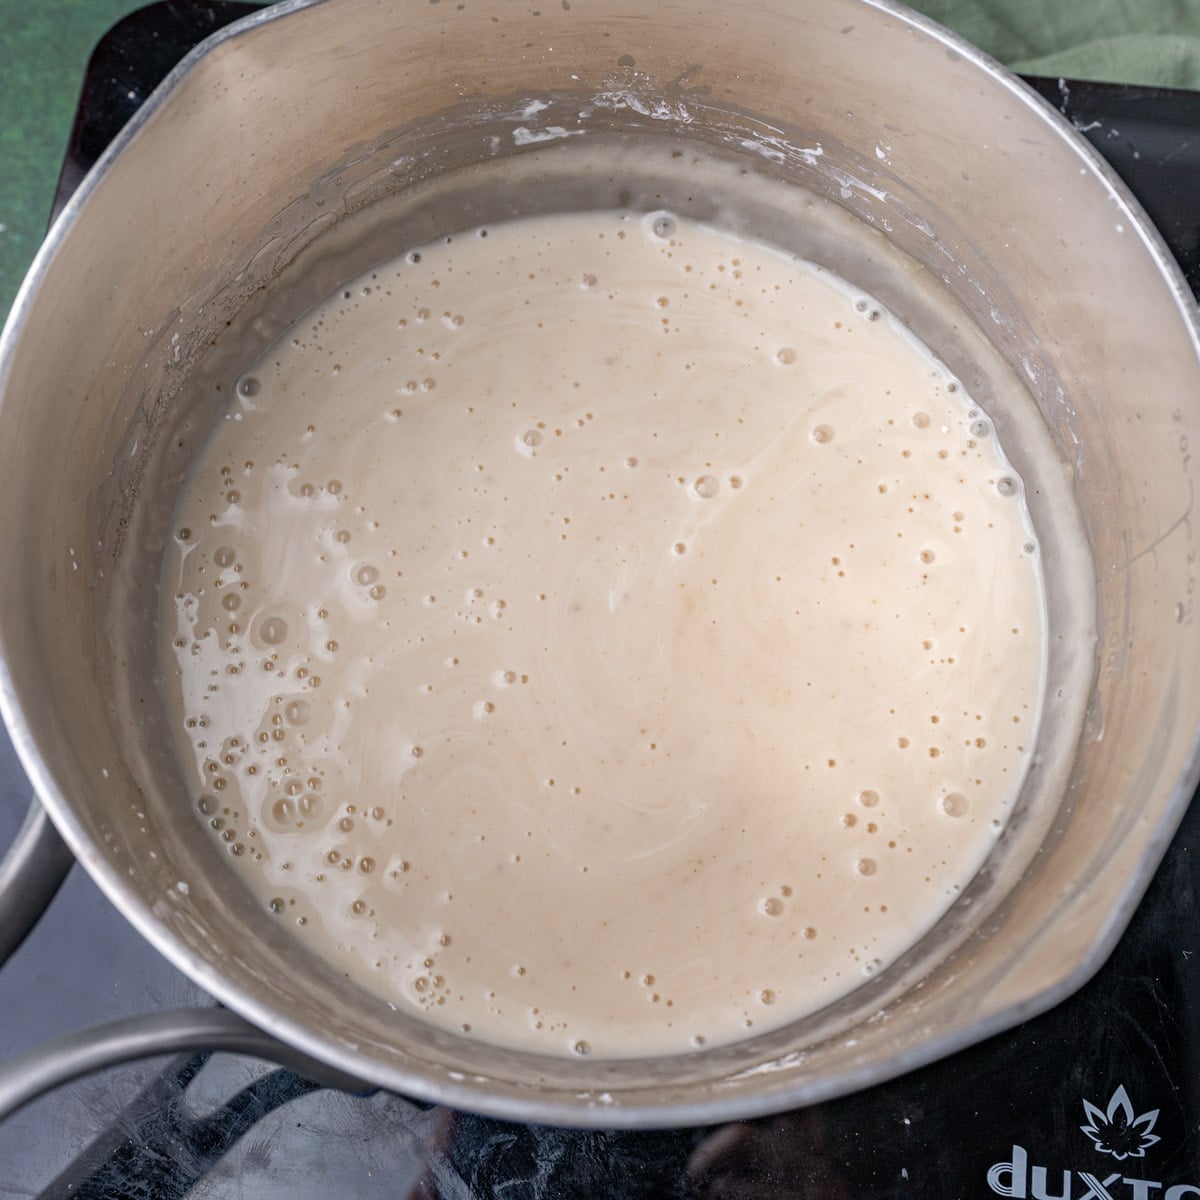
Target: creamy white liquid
(603, 634)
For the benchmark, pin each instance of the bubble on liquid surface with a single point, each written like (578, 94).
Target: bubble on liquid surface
(955, 804)
(1007, 486)
(272, 630)
(225, 556)
(865, 866)
(868, 798)
(249, 386)
(662, 225)
(310, 805)
(297, 712)
(706, 487)
(366, 574)
(822, 434)
(772, 906)
(785, 356)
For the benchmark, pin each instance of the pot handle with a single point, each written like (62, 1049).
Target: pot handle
(62, 1059)
(30, 874)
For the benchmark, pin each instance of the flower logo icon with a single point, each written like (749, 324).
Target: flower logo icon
(1117, 1131)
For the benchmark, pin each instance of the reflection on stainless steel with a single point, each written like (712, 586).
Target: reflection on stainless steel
(34, 1073)
(31, 872)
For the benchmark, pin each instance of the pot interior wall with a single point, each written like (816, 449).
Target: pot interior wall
(278, 190)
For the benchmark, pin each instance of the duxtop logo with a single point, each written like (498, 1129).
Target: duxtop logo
(1117, 1131)
(1114, 1131)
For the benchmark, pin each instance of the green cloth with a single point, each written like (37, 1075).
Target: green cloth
(44, 46)
(1155, 42)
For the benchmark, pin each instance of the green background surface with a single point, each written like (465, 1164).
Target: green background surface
(44, 46)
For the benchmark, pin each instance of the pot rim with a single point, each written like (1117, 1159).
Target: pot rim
(562, 1107)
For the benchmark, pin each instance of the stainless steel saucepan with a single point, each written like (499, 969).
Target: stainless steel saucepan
(297, 147)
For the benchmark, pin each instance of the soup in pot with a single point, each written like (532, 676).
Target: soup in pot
(603, 634)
